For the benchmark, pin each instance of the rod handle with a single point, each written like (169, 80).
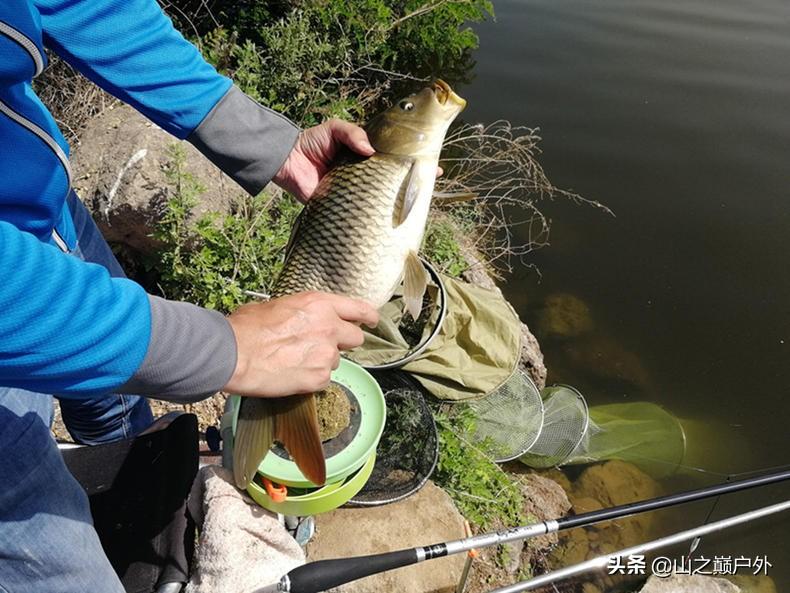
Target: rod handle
(321, 575)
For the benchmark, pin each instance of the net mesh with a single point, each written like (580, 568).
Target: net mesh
(509, 420)
(641, 433)
(409, 447)
(565, 423)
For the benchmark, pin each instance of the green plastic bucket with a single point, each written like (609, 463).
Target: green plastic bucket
(362, 438)
(317, 501)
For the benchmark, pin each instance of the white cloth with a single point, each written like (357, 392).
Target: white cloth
(242, 546)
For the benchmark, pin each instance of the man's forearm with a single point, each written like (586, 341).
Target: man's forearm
(247, 141)
(191, 353)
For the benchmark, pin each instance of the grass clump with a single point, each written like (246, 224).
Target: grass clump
(211, 261)
(404, 423)
(441, 243)
(441, 247)
(481, 490)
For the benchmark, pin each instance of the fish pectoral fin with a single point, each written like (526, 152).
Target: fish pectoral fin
(415, 282)
(297, 429)
(254, 438)
(407, 197)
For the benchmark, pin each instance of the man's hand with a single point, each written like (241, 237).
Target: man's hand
(292, 344)
(313, 153)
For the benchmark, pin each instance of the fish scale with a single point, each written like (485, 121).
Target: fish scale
(346, 230)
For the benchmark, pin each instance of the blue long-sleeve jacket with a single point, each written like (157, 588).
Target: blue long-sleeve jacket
(66, 326)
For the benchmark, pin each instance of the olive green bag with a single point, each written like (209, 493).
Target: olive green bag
(476, 350)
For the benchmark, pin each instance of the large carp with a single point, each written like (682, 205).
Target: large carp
(358, 236)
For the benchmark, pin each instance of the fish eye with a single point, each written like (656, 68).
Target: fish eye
(406, 105)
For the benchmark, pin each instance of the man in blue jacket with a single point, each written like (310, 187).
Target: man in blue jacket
(70, 323)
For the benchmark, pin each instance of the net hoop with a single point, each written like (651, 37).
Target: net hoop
(416, 352)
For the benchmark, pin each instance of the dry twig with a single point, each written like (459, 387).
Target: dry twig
(497, 165)
(71, 98)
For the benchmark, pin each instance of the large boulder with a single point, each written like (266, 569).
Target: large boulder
(425, 518)
(602, 486)
(120, 173)
(544, 500)
(680, 583)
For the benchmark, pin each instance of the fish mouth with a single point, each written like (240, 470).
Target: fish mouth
(444, 94)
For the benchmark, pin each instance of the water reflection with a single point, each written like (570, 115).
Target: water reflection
(676, 114)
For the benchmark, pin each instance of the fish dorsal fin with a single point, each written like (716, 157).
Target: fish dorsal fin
(254, 438)
(415, 282)
(407, 195)
(296, 427)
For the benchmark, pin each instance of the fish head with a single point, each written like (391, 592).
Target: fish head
(416, 125)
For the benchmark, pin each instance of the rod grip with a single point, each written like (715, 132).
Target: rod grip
(321, 575)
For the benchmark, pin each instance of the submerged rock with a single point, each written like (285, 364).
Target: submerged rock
(606, 358)
(564, 316)
(611, 484)
(601, 486)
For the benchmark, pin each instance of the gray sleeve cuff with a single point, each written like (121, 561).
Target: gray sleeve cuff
(191, 354)
(247, 141)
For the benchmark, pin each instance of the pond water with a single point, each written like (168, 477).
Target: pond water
(676, 115)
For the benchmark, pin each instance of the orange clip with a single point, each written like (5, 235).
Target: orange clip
(473, 553)
(278, 494)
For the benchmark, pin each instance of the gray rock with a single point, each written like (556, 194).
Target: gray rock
(427, 517)
(119, 173)
(544, 499)
(532, 357)
(689, 584)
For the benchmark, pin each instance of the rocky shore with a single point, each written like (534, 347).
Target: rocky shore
(119, 172)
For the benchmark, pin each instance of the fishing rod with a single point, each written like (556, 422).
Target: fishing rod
(601, 562)
(321, 575)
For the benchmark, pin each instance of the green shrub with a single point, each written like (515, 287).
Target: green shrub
(335, 58)
(213, 260)
(485, 495)
(441, 245)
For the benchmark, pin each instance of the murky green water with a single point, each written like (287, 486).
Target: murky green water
(675, 114)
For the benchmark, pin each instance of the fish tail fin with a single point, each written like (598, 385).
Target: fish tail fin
(415, 282)
(254, 438)
(297, 429)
